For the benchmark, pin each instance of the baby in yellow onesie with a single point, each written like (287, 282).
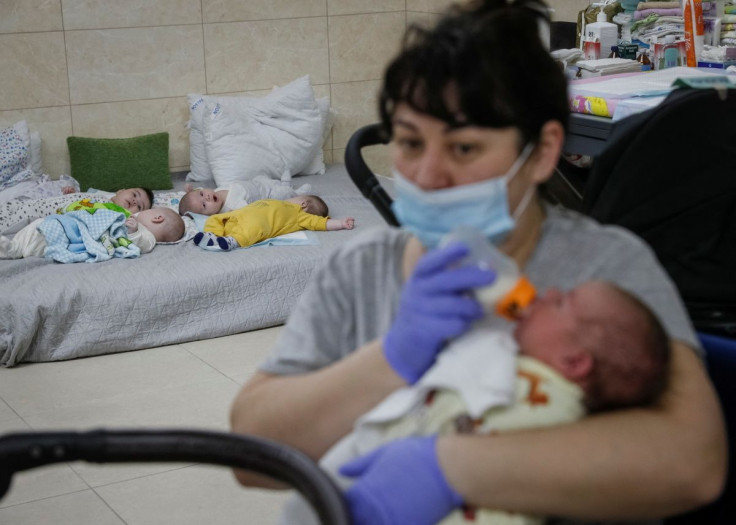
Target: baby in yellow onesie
(267, 218)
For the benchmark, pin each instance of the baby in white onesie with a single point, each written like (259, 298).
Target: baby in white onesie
(207, 201)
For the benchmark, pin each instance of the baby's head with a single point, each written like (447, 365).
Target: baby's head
(134, 199)
(600, 337)
(201, 200)
(311, 204)
(164, 223)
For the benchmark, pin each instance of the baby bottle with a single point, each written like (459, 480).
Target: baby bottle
(510, 292)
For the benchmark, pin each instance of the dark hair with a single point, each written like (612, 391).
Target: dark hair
(149, 193)
(632, 354)
(490, 54)
(321, 206)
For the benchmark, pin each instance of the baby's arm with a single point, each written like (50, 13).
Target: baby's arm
(132, 224)
(348, 223)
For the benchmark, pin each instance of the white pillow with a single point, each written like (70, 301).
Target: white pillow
(15, 154)
(317, 165)
(276, 135)
(36, 160)
(199, 168)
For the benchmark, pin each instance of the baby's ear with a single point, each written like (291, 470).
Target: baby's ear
(577, 364)
(188, 187)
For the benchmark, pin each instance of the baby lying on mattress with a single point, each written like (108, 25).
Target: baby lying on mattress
(15, 214)
(207, 201)
(93, 232)
(267, 218)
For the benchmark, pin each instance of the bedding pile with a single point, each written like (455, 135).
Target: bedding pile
(279, 135)
(174, 294)
(20, 154)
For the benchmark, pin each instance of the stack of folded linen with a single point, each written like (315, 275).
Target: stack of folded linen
(661, 18)
(727, 36)
(656, 19)
(607, 66)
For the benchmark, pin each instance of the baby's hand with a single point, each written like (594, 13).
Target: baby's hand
(132, 224)
(348, 223)
(66, 190)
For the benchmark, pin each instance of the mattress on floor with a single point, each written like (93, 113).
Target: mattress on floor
(176, 293)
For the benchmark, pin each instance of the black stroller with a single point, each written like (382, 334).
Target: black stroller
(667, 176)
(23, 451)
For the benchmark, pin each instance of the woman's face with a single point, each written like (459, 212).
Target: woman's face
(435, 155)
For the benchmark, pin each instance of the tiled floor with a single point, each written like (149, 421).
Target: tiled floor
(189, 385)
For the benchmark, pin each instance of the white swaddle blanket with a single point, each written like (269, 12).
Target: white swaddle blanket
(485, 348)
(261, 187)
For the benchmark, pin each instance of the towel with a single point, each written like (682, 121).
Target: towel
(639, 15)
(479, 365)
(657, 5)
(80, 236)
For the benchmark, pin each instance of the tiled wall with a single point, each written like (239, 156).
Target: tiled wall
(111, 68)
(567, 10)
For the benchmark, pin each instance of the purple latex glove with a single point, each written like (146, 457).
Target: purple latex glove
(435, 307)
(400, 483)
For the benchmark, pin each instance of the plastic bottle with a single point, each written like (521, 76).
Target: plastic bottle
(603, 30)
(614, 52)
(694, 30)
(643, 59)
(511, 292)
(625, 34)
(591, 49)
(671, 52)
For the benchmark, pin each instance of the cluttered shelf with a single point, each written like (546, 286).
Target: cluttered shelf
(618, 39)
(615, 98)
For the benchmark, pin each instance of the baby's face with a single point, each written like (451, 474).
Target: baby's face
(204, 201)
(132, 199)
(165, 224)
(550, 326)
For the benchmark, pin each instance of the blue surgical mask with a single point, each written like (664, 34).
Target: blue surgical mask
(430, 215)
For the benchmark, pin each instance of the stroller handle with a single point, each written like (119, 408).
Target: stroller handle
(362, 176)
(27, 450)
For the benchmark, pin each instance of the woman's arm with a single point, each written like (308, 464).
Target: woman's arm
(648, 462)
(312, 411)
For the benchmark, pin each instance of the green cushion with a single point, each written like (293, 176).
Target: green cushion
(114, 164)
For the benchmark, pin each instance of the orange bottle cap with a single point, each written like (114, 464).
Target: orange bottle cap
(518, 298)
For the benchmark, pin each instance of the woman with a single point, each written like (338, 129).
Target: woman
(476, 109)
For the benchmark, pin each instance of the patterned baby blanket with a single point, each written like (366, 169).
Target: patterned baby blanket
(81, 236)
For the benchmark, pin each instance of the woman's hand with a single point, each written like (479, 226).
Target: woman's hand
(435, 307)
(401, 482)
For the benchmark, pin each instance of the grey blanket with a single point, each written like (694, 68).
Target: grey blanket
(174, 294)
